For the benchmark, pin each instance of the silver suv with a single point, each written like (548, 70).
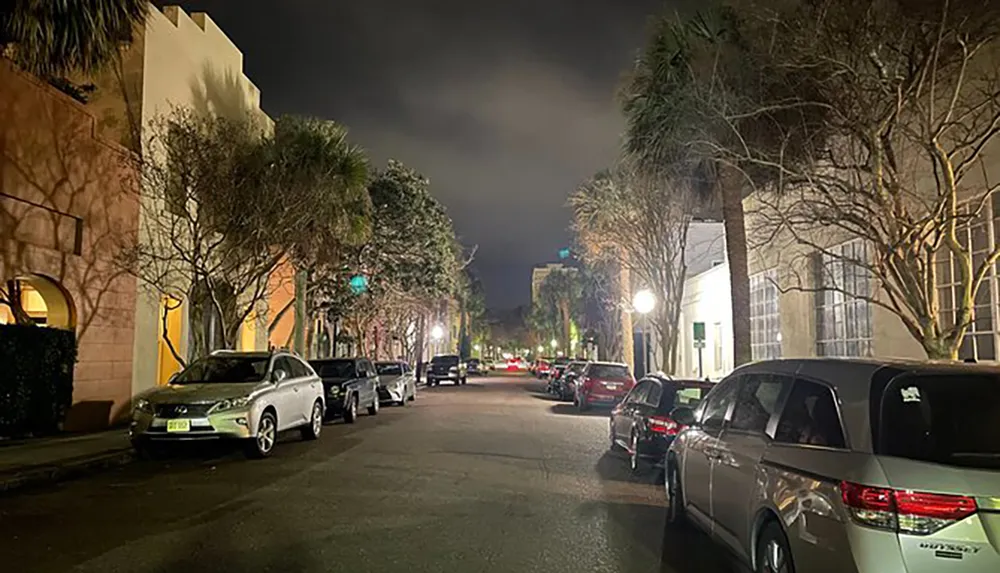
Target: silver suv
(248, 396)
(845, 466)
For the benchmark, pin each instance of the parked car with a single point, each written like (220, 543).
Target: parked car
(474, 366)
(565, 385)
(249, 396)
(555, 371)
(447, 367)
(541, 369)
(846, 466)
(396, 382)
(350, 384)
(641, 425)
(602, 384)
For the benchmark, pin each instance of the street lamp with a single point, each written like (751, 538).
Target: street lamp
(541, 349)
(554, 344)
(437, 332)
(643, 303)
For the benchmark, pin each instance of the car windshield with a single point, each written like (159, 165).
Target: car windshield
(948, 419)
(444, 360)
(577, 367)
(334, 368)
(389, 368)
(608, 372)
(225, 369)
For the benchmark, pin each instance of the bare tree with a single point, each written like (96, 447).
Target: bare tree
(642, 224)
(894, 108)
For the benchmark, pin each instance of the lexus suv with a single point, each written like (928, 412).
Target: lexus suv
(846, 466)
(249, 396)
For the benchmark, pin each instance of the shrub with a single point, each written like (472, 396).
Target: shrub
(36, 378)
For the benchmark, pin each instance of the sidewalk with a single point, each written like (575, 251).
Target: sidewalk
(34, 461)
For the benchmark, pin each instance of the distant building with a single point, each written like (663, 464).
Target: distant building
(540, 273)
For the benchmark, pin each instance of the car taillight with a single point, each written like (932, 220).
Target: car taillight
(904, 511)
(663, 425)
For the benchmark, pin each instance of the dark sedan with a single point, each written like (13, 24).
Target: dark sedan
(641, 425)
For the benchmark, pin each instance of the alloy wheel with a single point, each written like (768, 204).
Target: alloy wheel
(774, 558)
(317, 419)
(633, 455)
(266, 435)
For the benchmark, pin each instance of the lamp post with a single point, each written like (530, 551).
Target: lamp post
(643, 303)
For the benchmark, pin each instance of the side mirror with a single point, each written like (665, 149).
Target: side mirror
(280, 375)
(683, 416)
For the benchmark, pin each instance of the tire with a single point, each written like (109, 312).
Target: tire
(373, 409)
(413, 395)
(772, 554)
(314, 427)
(612, 439)
(676, 516)
(351, 411)
(261, 445)
(464, 380)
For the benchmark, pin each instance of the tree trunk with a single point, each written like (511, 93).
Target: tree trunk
(301, 320)
(941, 348)
(739, 277)
(16, 304)
(628, 341)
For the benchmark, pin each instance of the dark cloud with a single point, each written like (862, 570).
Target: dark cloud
(506, 106)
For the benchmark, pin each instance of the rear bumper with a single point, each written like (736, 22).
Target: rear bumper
(601, 399)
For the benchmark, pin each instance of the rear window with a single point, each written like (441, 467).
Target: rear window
(950, 419)
(389, 368)
(608, 372)
(678, 393)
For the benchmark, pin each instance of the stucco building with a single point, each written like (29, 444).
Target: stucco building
(68, 207)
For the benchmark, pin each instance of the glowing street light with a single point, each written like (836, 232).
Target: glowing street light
(541, 349)
(437, 332)
(554, 344)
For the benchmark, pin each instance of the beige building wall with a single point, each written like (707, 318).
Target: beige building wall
(178, 61)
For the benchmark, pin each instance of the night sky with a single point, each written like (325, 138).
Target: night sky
(505, 106)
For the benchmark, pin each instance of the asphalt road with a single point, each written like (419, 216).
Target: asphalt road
(491, 476)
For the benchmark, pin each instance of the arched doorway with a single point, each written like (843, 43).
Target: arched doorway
(37, 299)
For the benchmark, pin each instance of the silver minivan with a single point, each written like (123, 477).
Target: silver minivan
(829, 465)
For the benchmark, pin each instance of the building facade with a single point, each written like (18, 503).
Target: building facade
(68, 208)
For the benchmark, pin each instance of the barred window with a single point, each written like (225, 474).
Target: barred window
(843, 307)
(981, 236)
(765, 328)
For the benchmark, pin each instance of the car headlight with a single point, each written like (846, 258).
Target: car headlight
(142, 405)
(231, 404)
(334, 390)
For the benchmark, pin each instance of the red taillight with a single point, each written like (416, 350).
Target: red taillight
(663, 425)
(904, 511)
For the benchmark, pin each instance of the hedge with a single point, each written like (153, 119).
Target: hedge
(36, 379)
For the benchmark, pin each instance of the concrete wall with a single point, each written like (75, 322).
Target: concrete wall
(68, 206)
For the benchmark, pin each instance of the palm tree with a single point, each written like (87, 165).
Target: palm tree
(663, 101)
(55, 38)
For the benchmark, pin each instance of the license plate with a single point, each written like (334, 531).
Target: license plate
(178, 425)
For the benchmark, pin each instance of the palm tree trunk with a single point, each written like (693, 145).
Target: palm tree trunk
(739, 275)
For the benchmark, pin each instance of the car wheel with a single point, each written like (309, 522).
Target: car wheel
(465, 381)
(612, 439)
(413, 394)
(773, 554)
(373, 409)
(312, 430)
(675, 495)
(261, 445)
(351, 411)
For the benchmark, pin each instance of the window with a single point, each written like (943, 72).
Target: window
(655, 393)
(389, 368)
(765, 328)
(334, 368)
(284, 364)
(757, 401)
(608, 372)
(638, 394)
(810, 417)
(225, 370)
(717, 405)
(981, 237)
(299, 369)
(948, 419)
(843, 312)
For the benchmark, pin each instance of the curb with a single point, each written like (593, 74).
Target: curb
(69, 469)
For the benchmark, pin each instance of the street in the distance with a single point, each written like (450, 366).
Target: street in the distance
(490, 476)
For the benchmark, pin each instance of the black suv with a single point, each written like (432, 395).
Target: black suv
(350, 384)
(446, 367)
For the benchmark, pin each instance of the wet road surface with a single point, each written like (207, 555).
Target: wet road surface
(491, 476)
